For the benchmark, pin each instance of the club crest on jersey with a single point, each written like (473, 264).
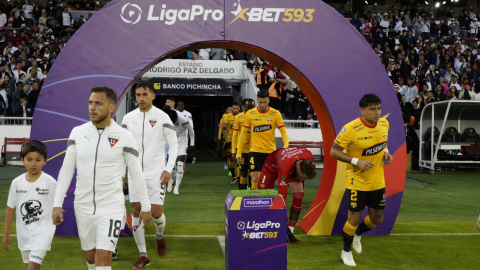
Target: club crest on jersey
(384, 135)
(153, 122)
(113, 140)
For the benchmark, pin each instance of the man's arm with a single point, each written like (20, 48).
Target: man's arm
(64, 179)
(282, 129)
(171, 137)
(8, 224)
(191, 134)
(337, 153)
(236, 128)
(224, 131)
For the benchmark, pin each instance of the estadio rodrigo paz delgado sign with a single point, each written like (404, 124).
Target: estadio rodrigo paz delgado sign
(193, 68)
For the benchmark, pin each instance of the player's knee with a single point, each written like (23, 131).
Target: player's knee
(90, 256)
(103, 257)
(33, 266)
(136, 207)
(378, 218)
(157, 213)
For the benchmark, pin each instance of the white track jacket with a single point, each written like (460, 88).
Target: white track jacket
(100, 159)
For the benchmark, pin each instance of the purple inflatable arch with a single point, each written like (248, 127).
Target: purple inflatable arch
(307, 39)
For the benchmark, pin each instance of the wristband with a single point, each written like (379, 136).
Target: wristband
(354, 161)
(386, 150)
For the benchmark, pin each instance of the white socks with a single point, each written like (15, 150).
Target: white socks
(179, 174)
(160, 226)
(291, 228)
(139, 235)
(103, 268)
(91, 266)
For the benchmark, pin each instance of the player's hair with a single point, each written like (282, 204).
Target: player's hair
(369, 100)
(248, 100)
(235, 104)
(34, 146)
(308, 168)
(171, 113)
(144, 84)
(172, 99)
(111, 95)
(262, 94)
(264, 64)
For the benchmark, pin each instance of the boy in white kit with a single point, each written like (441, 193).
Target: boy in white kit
(31, 199)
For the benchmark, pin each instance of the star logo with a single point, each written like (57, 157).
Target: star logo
(239, 12)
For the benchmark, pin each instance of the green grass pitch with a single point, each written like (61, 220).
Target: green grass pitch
(435, 229)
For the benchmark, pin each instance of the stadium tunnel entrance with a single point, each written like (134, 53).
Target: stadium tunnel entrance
(207, 108)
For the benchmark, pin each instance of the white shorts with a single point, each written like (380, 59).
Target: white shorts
(156, 192)
(182, 146)
(35, 256)
(100, 231)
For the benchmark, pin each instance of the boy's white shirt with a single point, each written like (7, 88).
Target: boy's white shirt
(33, 204)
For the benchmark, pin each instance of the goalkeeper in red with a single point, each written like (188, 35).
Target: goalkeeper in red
(292, 166)
(365, 142)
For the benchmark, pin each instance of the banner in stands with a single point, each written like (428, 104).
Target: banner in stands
(196, 68)
(191, 87)
(125, 39)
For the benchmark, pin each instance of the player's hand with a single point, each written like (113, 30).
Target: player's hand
(478, 223)
(57, 215)
(6, 242)
(388, 158)
(365, 164)
(164, 178)
(145, 218)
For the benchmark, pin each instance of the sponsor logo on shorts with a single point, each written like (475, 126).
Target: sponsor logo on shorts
(262, 128)
(252, 167)
(377, 148)
(257, 202)
(36, 257)
(353, 204)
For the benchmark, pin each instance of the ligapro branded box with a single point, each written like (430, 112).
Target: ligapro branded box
(255, 230)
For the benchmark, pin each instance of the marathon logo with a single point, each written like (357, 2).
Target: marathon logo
(262, 128)
(257, 202)
(377, 148)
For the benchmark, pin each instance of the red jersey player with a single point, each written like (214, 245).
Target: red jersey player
(291, 166)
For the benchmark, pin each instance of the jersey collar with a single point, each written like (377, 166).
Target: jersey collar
(365, 124)
(263, 112)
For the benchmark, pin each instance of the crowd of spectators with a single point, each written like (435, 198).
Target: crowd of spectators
(31, 38)
(429, 55)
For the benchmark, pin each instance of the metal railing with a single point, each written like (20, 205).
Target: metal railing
(301, 124)
(15, 121)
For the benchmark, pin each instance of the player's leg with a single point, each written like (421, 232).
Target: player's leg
(356, 204)
(225, 155)
(180, 163)
(87, 236)
(243, 172)
(282, 189)
(255, 168)
(36, 258)
(138, 230)
(231, 166)
(107, 232)
(157, 199)
(295, 209)
(172, 175)
(376, 206)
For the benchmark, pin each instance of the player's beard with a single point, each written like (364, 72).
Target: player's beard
(101, 118)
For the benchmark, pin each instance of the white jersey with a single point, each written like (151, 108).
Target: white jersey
(182, 125)
(151, 130)
(188, 116)
(33, 204)
(100, 158)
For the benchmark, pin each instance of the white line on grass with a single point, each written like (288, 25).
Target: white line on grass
(221, 241)
(432, 234)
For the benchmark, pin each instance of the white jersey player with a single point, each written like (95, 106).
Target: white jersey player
(151, 128)
(31, 199)
(100, 150)
(182, 126)
(185, 113)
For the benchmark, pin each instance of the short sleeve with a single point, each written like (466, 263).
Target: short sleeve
(345, 137)
(12, 196)
(247, 120)
(279, 120)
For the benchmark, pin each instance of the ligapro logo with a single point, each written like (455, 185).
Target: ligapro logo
(128, 13)
(132, 14)
(295, 15)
